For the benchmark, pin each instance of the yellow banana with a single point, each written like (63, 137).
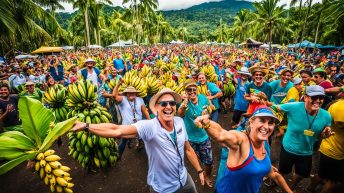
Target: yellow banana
(62, 182)
(40, 156)
(52, 158)
(60, 173)
(55, 164)
(49, 152)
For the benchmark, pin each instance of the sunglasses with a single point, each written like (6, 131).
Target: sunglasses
(191, 89)
(320, 97)
(316, 76)
(165, 103)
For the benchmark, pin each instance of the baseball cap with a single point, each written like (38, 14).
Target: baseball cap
(314, 90)
(297, 81)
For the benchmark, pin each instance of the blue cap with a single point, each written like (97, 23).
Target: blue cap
(314, 90)
(297, 81)
(264, 111)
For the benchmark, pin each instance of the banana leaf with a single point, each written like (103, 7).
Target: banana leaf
(59, 129)
(10, 154)
(4, 168)
(21, 137)
(14, 128)
(35, 119)
(8, 142)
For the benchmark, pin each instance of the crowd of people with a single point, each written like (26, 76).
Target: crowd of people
(296, 95)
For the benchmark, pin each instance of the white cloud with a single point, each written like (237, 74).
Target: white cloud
(176, 4)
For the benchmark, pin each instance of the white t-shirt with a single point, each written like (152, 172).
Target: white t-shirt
(166, 166)
(93, 78)
(126, 109)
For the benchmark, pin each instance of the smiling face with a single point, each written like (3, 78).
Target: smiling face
(314, 103)
(305, 78)
(202, 79)
(286, 77)
(261, 128)
(258, 77)
(191, 92)
(165, 113)
(4, 92)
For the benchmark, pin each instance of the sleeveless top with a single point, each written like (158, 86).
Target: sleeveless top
(245, 178)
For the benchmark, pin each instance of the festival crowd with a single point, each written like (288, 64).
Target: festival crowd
(295, 95)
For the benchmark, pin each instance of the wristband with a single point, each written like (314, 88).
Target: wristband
(200, 171)
(87, 127)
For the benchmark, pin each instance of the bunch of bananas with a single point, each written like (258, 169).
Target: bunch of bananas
(145, 71)
(132, 79)
(203, 89)
(173, 86)
(55, 98)
(174, 59)
(153, 85)
(164, 78)
(93, 114)
(92, 151)
(159, 63)
(209, 72)
(112, 83)
(81, 94)
(53, 172)
(228, 87)
(167, 67)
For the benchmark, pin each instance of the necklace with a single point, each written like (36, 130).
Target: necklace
(309, 123)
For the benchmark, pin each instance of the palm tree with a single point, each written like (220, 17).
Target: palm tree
(242, 21)
(269, 15)
(118, 23)
(139, 9)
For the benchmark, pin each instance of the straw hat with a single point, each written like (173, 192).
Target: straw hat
(189, 83)
(130, 89)
(156, 97)
(286, 69)
(255, 69)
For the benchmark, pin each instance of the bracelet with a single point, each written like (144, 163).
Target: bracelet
(206, 126)
(87, 127)
(200, 171)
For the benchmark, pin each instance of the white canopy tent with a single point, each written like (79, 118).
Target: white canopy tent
(25, 56)
(68, 47)
(177, 42)
(122, 43)
(94, 46)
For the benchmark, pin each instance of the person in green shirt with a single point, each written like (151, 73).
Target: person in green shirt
(195, 105)
(31, 91)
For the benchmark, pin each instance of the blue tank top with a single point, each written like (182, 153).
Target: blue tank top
(245, 178)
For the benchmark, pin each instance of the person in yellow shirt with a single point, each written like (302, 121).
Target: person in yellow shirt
(294, 93)
(331, 164)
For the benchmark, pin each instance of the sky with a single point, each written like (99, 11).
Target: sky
(174, 4)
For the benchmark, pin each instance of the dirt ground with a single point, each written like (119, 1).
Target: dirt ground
(127, 176)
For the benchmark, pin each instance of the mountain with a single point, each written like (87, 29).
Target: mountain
(203, 16)
(206, 15)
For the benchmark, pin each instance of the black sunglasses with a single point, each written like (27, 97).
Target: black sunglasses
(314, 98)
(191, 89)
(165, 103)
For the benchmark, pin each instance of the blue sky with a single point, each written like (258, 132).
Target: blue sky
(174, 4)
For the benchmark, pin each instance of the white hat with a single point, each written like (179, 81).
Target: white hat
(89, 60)
(244, 70)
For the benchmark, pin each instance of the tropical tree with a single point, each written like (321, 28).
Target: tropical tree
(269, 16)
(118, 24)
(242, 21)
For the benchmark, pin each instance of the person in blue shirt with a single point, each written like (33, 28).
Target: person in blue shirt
(215, 94)
(120, 64)
(307, 122)
(281, 86)
(192, 107)
(56, 70)
(240, 104)
(248, 158)
(166, 143)
(92, 73)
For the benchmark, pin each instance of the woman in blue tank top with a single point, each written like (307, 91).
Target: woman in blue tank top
(248, 160)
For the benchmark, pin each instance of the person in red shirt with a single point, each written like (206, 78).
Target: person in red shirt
(320, 78)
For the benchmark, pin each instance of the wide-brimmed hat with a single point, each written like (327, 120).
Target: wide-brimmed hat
(244, 70)
(130, 89)
(286, 69)
(29, 83)
(156, 97)
(264, 111)
(315, 90)
(255, 69)
(89, 60)
(190, 83)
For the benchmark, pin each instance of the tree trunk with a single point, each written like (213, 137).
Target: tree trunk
(95, 35)
(270, 36)
(305, 21)
(88, 40)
